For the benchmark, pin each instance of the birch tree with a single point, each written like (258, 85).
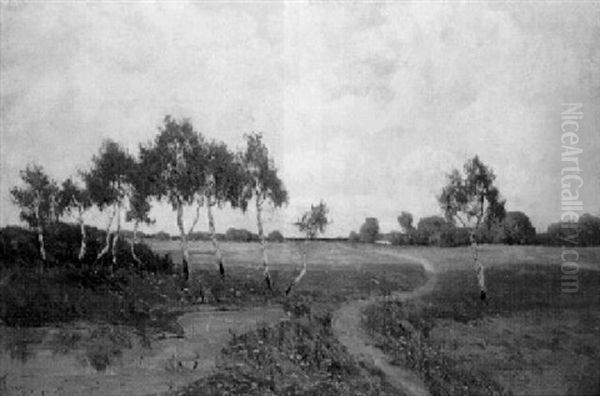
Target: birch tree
(225, 181)
(108, 185)
(311, 224)
(37, 200)
(175, 161)
(264, 185)
(142, 189)
(472, 200)
(75, 200)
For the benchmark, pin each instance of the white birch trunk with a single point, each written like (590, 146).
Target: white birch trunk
(40, 229)
(263, 243)
(184, 243)
(478, 266)
(213, 237)
(116, 237)
(83, 246)
(107, 245)
(303, 272)
(134, 242)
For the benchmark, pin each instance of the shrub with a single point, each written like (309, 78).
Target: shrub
(275, 236)
(18, 247)
(240, 235)
(369, 230)
(353, 237)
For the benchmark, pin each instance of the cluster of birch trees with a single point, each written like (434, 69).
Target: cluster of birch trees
(180, 167)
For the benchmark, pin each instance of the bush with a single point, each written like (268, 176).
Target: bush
(353, 237)
(19, 247)
(454, 236)
(240, 235)
(369, 230)
(275, 236)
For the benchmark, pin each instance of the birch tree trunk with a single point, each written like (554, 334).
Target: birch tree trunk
(82, 227)
(184, 243)
(213, 237)
(303, 272)
(478, 266)
(116, 238)
(40, 230)
(263, 243)
(133, 243)
(107, 245)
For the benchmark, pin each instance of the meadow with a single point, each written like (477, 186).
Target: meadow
(529, 338)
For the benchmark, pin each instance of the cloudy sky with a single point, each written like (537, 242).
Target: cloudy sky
(364, 105)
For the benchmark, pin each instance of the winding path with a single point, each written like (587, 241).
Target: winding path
(348, 329)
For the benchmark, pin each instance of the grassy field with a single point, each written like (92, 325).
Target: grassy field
(299, 356)
(529, 339)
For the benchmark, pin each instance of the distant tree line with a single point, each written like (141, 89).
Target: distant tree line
(514, 229)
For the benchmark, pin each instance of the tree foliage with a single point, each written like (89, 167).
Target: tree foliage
(406, 222)
(517, 229)
(472, 198)
(369, 230)
(107, 182)
(38, 198)
(73, 197)
(263, 182)
(175, 162)
(314, 221)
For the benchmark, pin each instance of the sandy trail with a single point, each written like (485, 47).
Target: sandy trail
(348, 329)
(169, 363)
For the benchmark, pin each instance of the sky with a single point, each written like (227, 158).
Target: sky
(364, 105)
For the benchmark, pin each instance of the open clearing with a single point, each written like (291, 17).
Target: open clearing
(529, 339)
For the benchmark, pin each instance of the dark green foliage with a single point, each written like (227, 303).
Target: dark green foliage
(107, 179)
(70, 289)
(517, 229)
(584, 232)
(369, 230)
(18, 247)
(314, 221)
(275, 236)
(175, 162)
(262, 180)
(72, 197)
(406, 222)
(471, 198)
(354, 237)
(39, 194)
(226, 177)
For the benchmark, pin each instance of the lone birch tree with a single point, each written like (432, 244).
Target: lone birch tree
(108, 185)
(37, 200)
(176, 165)
(311, 224)
(264, 185)
(471, 199)
(225, 181)
(73, 198)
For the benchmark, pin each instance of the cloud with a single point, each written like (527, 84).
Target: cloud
(363, 105)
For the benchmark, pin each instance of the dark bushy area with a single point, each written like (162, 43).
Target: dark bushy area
(240, 235)
(296, 357)
(402, 328)
(275, 236)
(69, 289)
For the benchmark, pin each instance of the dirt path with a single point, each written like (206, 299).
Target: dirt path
(348, 329)
(169, 363)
